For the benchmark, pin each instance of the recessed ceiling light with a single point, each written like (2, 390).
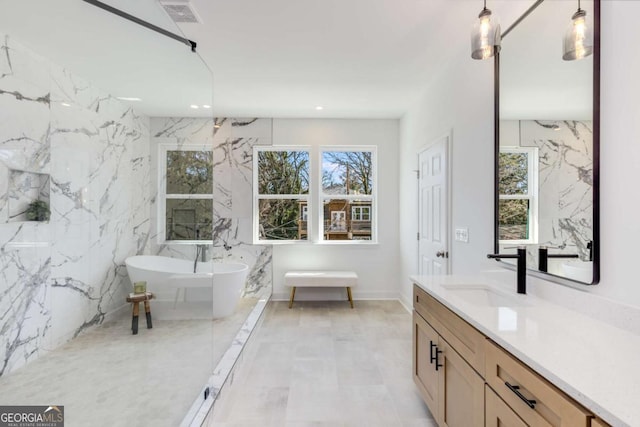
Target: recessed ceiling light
(64, 104)
(319, 107)
(195, 107)
(217, 126)
(129, 98)
(206, 106)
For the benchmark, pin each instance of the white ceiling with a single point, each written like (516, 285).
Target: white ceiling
(275, 58)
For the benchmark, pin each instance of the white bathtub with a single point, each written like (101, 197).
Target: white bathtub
(163, 274)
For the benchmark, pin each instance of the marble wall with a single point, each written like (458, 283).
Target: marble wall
(232, 141)
(60, 277)
(565, 182)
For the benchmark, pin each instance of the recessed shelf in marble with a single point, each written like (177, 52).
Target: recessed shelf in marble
(21, 189)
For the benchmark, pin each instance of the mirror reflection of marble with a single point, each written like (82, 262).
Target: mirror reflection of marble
(547, 146)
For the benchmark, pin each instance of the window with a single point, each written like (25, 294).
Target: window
(281, 179)
(186, 193)
(518, 188)
(285, 194)
(361, 213)
(347, 187)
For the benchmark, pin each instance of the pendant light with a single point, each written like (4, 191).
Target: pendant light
(485, 35)
(578, 40)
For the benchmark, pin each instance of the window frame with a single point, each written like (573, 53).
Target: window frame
(257, 197)
(532, 193)
(315, 198)
(163, 150)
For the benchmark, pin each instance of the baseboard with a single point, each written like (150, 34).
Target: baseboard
(406, 302)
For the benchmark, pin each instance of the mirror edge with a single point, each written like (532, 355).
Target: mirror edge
(596, 150)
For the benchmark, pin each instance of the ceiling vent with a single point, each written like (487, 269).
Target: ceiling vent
(180, 12)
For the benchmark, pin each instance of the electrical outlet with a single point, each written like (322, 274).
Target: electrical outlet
(462, 235)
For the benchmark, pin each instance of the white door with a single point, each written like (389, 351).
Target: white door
(433, 208)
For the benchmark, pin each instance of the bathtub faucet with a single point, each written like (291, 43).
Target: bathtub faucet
(201, 252)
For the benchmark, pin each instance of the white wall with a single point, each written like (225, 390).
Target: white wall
(376, 265)
(620, 153)
(461, 100)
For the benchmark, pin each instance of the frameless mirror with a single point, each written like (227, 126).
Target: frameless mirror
(547, 142)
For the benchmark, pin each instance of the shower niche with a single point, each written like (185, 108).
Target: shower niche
(24, 195)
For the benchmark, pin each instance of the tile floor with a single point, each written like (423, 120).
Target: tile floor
(324, 364)
(108, 377)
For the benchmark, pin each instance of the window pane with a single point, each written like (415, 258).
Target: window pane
(347, 172)
(513, 173)
(340, 223)
(189, 219)
(190, 172)
(281, 220)
(283, 172)
(514, 219)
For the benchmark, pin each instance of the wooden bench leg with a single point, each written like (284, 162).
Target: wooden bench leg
(293, 294)
(349, 295)
(134, 318)
(147, 310)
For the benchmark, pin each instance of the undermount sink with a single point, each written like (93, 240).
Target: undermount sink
(578, 270)
(483, 295)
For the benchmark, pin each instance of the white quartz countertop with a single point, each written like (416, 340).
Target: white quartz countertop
(595, 363)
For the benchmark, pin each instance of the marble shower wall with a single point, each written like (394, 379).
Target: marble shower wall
(232, 140)
(60, 277)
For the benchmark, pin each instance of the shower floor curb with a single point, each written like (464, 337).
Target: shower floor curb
(201, 408)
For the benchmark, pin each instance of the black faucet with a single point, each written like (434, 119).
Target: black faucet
(521, 256)
(544, 255)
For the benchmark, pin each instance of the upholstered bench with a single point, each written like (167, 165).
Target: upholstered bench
(320, 279)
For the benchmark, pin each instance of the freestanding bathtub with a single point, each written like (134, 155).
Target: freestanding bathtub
(165, 274)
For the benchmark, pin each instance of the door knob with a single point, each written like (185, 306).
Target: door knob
(442, 254)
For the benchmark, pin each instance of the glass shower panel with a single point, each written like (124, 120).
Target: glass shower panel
(87, 104)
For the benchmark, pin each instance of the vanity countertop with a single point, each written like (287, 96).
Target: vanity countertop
(595, 363)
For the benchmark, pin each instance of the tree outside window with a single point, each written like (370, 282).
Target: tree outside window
(517, 213)
(347, 187)
(283, 204)
(186, 193)
(283, 183)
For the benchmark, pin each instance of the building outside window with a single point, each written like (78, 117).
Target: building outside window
(348, 186)
(284, 195)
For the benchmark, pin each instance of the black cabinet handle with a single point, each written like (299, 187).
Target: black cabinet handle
(438, 364)
(516, 389)
(431, 356)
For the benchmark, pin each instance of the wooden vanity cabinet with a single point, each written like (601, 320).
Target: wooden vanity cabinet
(478, 383)
(451, 388)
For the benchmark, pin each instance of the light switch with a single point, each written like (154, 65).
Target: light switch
(462, 234)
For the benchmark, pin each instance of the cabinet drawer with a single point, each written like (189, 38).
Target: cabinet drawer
(464, 338)
(597, 422)
(510, 378)
(497, 413)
